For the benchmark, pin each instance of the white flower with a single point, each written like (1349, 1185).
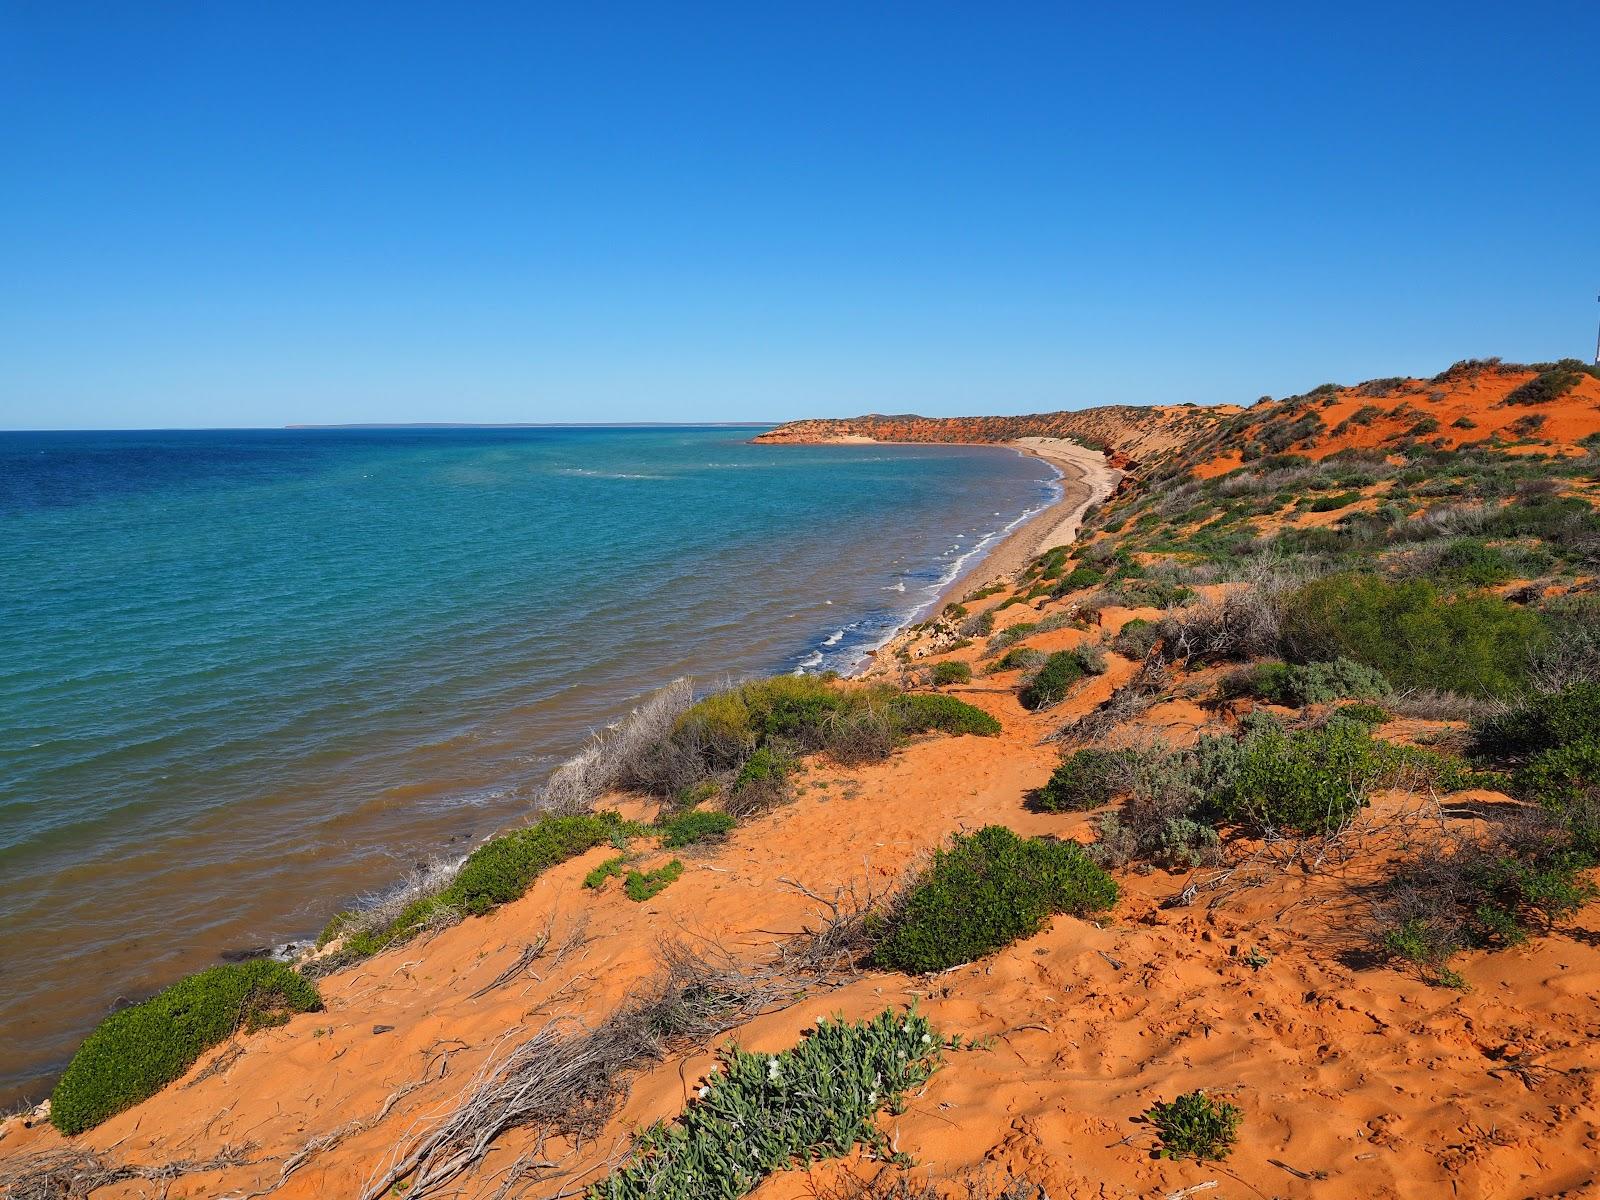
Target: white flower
(704, 1092)
(926, 1038)
(772, 1070)
(872, 1099)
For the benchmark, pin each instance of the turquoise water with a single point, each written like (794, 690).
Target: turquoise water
(248, 675)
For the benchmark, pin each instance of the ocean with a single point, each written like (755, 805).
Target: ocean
(247, 676)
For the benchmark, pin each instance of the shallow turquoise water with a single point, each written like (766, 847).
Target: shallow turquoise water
(247, 675)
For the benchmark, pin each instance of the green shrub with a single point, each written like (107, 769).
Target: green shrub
(1367, 714)
(1471, 562)
(1079, 577)
(1310, 781)
(949, 671)
(1087, 779)
(756, 729)
(1136, 638)
(764, 1113)
(1556, 778)
(921, 713)
(1307, 782)
(1476, 644)
(1195, 1126)
(695, 825)
(134, 1053)
(1051, 683)
(983, 893)
(1011, 635)
(501, 869)
(1481, 895)
(646, 885)
(1296, 685)
(612, 868)
(497, 872)
(1551, 384)
(1329, 503)
(1540, 722)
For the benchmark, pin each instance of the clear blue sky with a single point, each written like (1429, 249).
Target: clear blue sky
(255, 214)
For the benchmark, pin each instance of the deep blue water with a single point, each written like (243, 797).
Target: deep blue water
(246, 675)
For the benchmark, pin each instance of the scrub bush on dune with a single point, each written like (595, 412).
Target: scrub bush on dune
(1195, 1126)
(1052, 681)
(496, 873)
(132, 1054)
(1299, 684)
(1136, 638)
(1483, 894)
(984, 892)
(695, 825)
(1475, 644)
(1086, 779)
(795, 714)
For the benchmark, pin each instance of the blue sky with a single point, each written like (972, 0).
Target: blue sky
(228, 214)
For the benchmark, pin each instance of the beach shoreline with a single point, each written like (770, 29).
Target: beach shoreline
(1084, 478)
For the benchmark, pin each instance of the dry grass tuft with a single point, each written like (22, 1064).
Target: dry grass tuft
(73, 1173)
(620, 753)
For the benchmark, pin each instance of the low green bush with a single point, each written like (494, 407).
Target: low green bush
(1474, 644)
(1310, 781)
(1051, 683)
(1195, 1126)
(1551, 384)
(754, 731)
(1329, 503)
(1543, 721)
(1555, 779)
(134, 1053)
(612, 868)
(950, 671)
(501, 869)
(1087, 779)
(921, 713)
(1484, 895)
(646, 885)
(1370, 715)
(695, 825)
(497, 872)
(761, 783)
(1298, 684)
(1472, 562)
(764, 1113)
(983, 893)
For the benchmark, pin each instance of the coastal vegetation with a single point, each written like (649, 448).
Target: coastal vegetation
(985, 891)
(1195, 1126)
(136, 1052)
(761, 1113)
(1349, 726)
